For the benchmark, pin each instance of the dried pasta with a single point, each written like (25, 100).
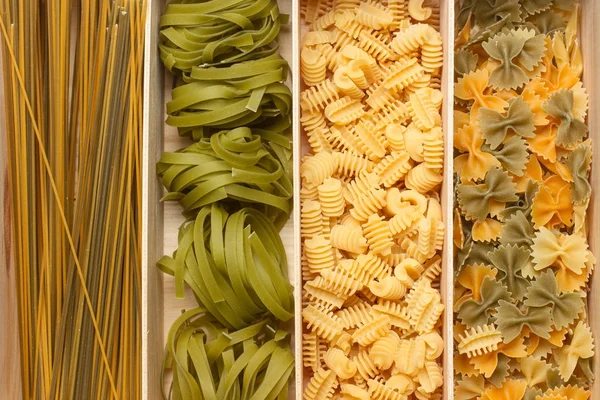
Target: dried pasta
(371, 219)
(523, 159)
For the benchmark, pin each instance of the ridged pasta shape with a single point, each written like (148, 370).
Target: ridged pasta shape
(366, 204)
(379, 391)
(368, 267)
(342, 79)
(319, 253)
(404, 221)
(372, 330)
(432, 55)
(402, 73)
(374, 44)
(392, 113)
(362, 184)
(307, 274)
(321, 386)
(353, 392)
(394, 134)
(374, 16)
(378, 96)
(353, 316)
(393, 168)
(431, 377)
(346, 22)
(363, 61)
(383, 351)
(312, 120)
(423, 112)
(370, 144)
(427, 312)
(315, 38)
(324, 324)
(397, 313)
(342, 39)
(365, 366)
(348, 238)
(318, 293)
(423, 179)
(308, 192)
(319, 96)
(312, 347)
(338, 362)
(349, 165)
(318, 140)
(316, 169)
(389, 288)
(398, 10)
(342, 139)
(331, 55)
(324, 21)
(378, 235)
(340, 282)
(410, 358)
(346, 4)
(433, 149)
(479, 340)
(344, 111)
(411, 39)
(311, 219)
(331, 198)
(313, 9)
(313, 66)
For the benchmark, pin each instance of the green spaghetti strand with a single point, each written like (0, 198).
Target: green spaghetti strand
(231, 165)
(235, 264)
(218, 32)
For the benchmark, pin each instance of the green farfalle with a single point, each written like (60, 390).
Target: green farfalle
(549, 21)
(579, 163)
(209, 361)
(250, 93)
(237, 165)
(505, 47)
(474, 199)
(544, 292)
(524, 203)
(511, 320)
(510, 260)
(501, 372)
(517, 230)
(535, 6)
(235, 264)
(516, 50)
(488, 12)
(464, 62)
(477, 313)
(513, 155)
(571, 130)
(518, 119)
(218, 32)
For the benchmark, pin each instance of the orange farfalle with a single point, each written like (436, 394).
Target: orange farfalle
(570, 392)
(557, 337)
(475, 163)
(510, 390)
(570, 281)
(566, 78)
(496, 208)
(533, 172)
(472, 87)
(543, 144)
(463, 366)
(487, 230)
(559, 169)
(472, 276)
(552, 204)
(487, 363)
(535, 94)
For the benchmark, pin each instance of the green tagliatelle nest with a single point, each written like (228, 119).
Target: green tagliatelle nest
(218, 32)
(209, 361)
(241, 167)
(244, 94)
(235, 264)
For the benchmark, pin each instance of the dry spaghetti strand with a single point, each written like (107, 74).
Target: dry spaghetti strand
(74, 135)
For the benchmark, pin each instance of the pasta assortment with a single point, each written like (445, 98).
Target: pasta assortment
(371, 220)
(523, 160)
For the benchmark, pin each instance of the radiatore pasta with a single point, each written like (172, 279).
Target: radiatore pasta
(371, 221)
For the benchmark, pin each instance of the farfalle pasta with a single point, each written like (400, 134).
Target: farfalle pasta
(371, 218)
(522, 186)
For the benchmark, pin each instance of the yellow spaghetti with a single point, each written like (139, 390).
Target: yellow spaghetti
(72, 74)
